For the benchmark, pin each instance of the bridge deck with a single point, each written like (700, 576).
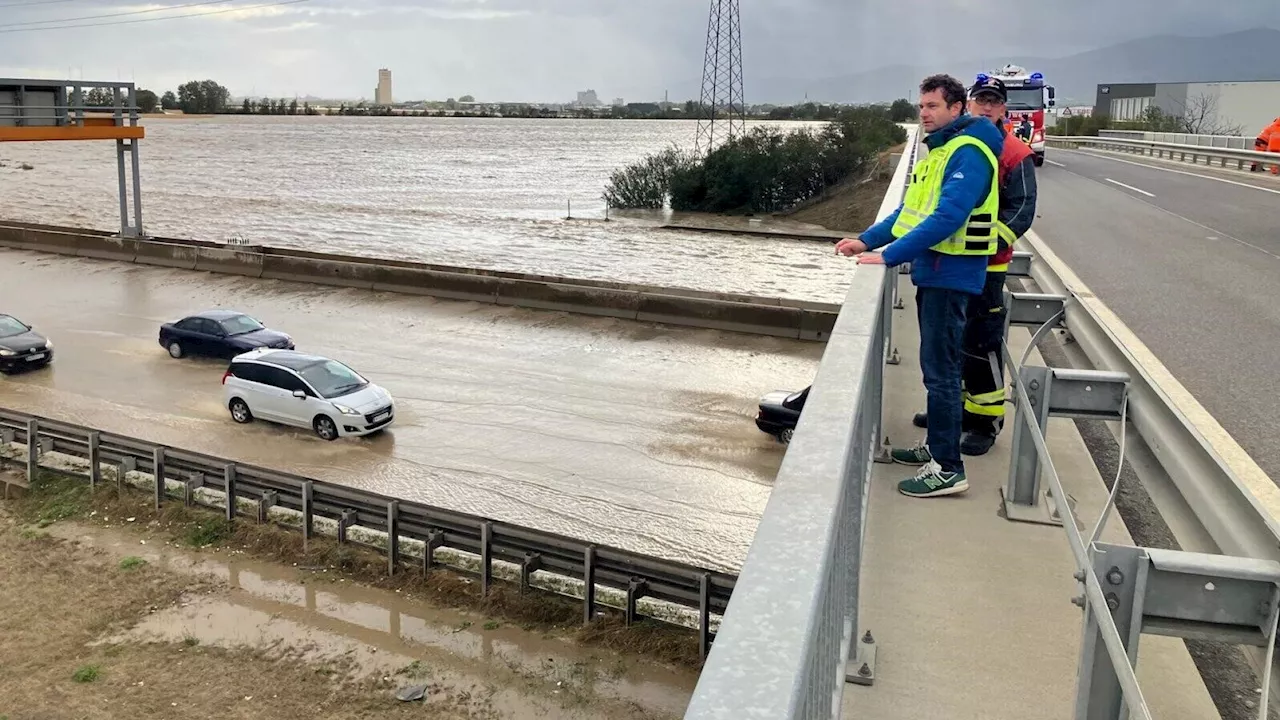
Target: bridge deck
(971, 612)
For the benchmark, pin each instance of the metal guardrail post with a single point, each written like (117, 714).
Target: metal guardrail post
(589, 584)
(265, 503)
(1178, 594)
(157, 460)
(229, 488)
(306, 515)
(1022, 492)
(95, 460)
(1098, 692)
(486, 558)
(1054, 392)
(33, 450)
(393, 536)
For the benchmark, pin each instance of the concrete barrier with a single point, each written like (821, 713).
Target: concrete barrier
(735, 317)
(323, 272)
(816, 326)
(107, 248)
(231, 262)
(571, 298)
(734, 312)
(182, 257)
(40, 240)
(451, 286)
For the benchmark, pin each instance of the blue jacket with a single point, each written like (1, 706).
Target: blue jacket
(967, 180)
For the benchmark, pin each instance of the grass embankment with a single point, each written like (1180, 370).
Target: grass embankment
(851, 207)
(58, 597)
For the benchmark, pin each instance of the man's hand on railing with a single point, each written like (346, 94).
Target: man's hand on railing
(870, 258)
(849, 247)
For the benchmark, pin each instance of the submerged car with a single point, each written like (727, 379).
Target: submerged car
(780, 413)
(219, 334)
(21, 347)
(303, 390)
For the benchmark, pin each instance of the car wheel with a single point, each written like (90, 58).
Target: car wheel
(325, 428)
(785, 436)
(240, 411)
(175, 350)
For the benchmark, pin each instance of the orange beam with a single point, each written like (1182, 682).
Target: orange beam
(71, 132)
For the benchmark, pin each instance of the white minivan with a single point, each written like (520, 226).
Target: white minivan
(303, 390)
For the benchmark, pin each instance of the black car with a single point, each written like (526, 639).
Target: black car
(219, 334)
(21, 347)
(780, 413)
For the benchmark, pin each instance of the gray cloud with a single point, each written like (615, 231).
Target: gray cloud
(547, 49)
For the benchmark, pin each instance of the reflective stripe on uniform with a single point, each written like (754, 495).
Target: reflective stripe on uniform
(986, 404)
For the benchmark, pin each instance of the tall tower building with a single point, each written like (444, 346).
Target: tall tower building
(382, 96)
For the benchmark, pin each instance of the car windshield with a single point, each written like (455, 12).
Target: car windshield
(1026, 98)
(11, 326)
(332, 379)
(240, 324)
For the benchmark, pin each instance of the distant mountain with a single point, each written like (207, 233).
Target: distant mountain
(1245, 55)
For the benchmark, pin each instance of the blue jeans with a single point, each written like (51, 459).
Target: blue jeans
(942, 315)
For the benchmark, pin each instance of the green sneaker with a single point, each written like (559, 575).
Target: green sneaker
(918, 455)
(931, 481)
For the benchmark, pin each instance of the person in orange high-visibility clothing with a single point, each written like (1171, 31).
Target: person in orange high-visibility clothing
(1273, 144)
(1266, 141)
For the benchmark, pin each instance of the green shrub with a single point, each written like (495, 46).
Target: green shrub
(764, 170)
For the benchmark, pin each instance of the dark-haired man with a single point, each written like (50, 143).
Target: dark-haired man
(946, 229)
(984, 387)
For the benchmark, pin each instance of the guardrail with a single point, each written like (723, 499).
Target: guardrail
(790, 639)
(532, 551)
(1234, 142)
(1160, 149)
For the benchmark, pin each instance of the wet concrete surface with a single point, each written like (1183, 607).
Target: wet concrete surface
(634, 435)
(365, 632)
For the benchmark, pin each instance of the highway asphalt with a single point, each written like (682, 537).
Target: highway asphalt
(624, 433)
(1189, 258)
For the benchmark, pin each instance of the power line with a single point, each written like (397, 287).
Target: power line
(119, 14)
(143, 20)
(34, 3)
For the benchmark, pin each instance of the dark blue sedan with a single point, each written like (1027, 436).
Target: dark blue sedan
(219, 334)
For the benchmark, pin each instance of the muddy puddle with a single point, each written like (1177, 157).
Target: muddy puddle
(353, 630)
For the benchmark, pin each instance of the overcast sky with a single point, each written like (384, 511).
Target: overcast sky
(544, 50)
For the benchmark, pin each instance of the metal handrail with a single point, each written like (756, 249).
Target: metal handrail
(791, 627)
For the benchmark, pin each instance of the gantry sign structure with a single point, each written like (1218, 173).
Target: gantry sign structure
(47, 110)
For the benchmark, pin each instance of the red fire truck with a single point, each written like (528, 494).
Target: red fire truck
(1029, 97)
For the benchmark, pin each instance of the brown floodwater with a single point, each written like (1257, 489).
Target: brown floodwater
(624, 433)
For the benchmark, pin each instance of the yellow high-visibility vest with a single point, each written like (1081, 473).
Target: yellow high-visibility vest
(979, 235)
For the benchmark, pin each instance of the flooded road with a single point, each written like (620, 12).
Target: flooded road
(488, 193)
(628, 434)
(356, 631)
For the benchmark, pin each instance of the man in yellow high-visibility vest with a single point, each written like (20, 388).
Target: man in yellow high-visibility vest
(946, 229)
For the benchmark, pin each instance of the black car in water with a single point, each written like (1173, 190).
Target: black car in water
(780, 413)
(219, 334)
(21, 347)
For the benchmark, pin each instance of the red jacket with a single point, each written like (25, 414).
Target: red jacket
(1014, 152)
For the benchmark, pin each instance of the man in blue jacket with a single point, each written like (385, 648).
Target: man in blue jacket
(946, 229)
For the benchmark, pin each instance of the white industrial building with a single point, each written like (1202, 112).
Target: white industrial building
(1248, 105)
